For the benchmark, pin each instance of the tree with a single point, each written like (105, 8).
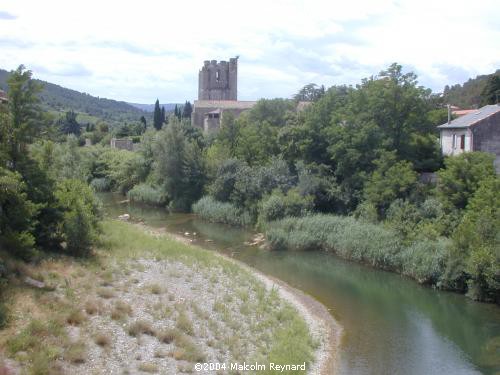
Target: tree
(179, 167)
(187, 110)
(144, 123)
(391, 180)
(163, 118)
(477, 241)
(460, 178)
(491, 91)
(69, 125)
(157, 117)
(24, 121)
(310, 93)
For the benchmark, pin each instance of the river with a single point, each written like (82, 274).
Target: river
(391, 324)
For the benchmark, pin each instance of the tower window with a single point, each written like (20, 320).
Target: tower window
(217, 76)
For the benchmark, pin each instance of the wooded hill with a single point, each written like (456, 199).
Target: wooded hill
(58, 99)
(467, 95)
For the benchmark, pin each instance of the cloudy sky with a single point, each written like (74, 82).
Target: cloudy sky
(138, 51)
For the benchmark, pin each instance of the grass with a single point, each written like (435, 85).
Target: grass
(149, 367)
(103, 339)
(148, 194)
(221, 212)
(141, 327)
(168, 335)
(44, 341)
(106, 293)
(184, 323)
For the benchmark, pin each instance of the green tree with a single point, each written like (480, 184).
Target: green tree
(477, 242)
(144, 123)
(310, 93)
(187, 110)
(69, 125)
(80, 227)
(24, 121)
(179, 167)
(157, 117)
(390, 180)
(460, 178)
(491, 91)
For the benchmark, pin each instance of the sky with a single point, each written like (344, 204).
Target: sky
(138, 51)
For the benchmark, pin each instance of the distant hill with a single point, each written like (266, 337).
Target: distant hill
(150, 107)
(57, 99)
(467, 95)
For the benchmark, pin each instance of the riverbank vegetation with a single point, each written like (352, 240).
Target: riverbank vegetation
(145, 302)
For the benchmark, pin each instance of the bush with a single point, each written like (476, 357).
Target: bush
(279, 205)
(81, 216)
(221, 212)
(424, 260)
(148, 194)
(17, 215)
(100, 184)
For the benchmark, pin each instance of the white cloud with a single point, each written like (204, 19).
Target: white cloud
(137, 51)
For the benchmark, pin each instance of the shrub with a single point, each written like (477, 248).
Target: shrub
(101, 184)
(279, 205)
(148, 194)
(16, 215)
(221, 212)
(81, 217)
(424, 260)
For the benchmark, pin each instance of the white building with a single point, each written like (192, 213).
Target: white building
(475, 131)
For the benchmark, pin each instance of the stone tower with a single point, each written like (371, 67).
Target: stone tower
(218, 80)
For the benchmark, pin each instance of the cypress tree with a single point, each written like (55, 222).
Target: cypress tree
(162, 114)
(157, 118)
(187, 110)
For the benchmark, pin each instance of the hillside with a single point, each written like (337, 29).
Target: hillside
(169, 107)
(58, 99)
(467, 95)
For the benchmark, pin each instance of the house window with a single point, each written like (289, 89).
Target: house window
(462, 142)
(454, 141)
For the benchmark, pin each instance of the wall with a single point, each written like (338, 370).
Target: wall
(218, 80)
(447, 141)
(486, 137)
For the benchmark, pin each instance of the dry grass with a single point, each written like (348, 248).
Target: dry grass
(184, 323)
(148, 367)
(76, 353)
(76, 317)
(92, 307)
(168, 335)
(155, 289)
(103, 339)
(141, 327)
(106, 293)
(121, 310)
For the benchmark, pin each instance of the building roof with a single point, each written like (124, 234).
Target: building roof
(224, 104)
(473, 118)
(215, 111)
(461, 112)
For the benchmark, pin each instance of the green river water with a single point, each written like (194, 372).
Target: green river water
(391, 325)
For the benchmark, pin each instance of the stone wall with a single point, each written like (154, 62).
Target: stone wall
(218, 80)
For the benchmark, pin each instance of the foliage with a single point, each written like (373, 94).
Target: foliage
(179, 167)
(468, 95)
(221, 212)
(491, 91)
(157, 117)
(60, 100)
(278, 205)
(69, 125)
(477, 241)
(461, 177)
(391, 180)
(145, 193)
(80, 225)
(310, 93)
(17, 215)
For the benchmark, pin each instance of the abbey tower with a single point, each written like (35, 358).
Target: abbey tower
(218, 80)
